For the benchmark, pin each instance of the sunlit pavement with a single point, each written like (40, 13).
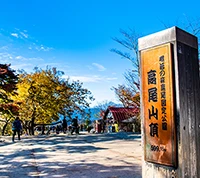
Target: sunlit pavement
(70, 156)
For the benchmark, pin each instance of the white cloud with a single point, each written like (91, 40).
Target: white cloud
(29, 41)
(22, 58)
(90, 79)
(15, 35)
(17, 62)
(5, 56)
(20, 34)
(99, 66)
(19, 57)
(43, 48)
(8, 57)
(111, 78)
(4, 48)
(24, 35)
(26, 67)
(86, 79)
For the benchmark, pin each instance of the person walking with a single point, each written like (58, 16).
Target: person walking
(64, 125)
(75, 126)
(16, 128)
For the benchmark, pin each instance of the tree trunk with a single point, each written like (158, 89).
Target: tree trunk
(43, 129)
(4, 128)
(32, 126)
(29, 128)
(26, 126)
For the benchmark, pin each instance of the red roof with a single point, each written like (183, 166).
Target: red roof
(120, 113)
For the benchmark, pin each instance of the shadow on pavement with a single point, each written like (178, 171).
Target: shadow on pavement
(86, 170)
(64, 170)
(34, 157)
(112, 137)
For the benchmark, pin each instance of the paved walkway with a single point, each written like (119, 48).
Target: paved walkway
(70, 156)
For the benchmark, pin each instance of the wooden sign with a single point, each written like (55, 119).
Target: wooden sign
(158, 105)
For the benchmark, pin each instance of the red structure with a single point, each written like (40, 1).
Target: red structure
(120, 113)
(125, 117)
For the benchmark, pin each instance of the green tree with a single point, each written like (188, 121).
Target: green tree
(77, 98)
(8, 88)
(45, 95)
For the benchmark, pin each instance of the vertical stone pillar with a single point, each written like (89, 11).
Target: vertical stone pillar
(170, 101)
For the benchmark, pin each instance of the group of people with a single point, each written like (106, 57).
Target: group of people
(74, 127)
(17, 127)
(101, 126)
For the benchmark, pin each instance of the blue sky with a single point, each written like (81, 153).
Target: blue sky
(76, 36)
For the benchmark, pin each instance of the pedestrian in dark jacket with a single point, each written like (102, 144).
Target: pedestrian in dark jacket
(16, 128)
(75, 126)
(64, 125)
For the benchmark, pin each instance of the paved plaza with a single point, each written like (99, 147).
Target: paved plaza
(114, 155)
